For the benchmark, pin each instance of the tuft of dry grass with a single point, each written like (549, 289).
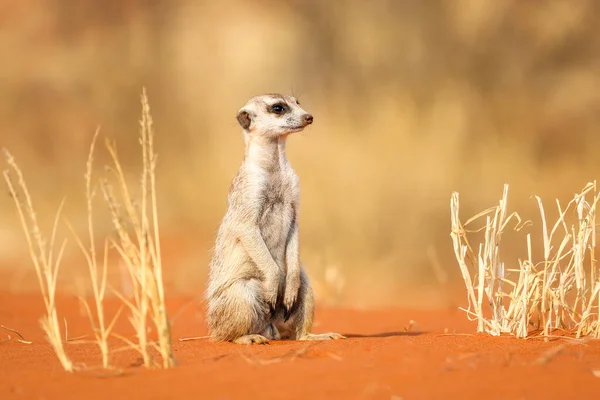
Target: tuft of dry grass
(45, 260)
(140, 250)
(560, 291)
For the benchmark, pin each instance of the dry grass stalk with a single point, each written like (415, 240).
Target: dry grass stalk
(98, 277)
(193, 338)
(141, 253)
(560, 292)
(45, 260)
(16, 332)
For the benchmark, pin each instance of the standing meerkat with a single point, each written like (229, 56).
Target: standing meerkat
(257, 287)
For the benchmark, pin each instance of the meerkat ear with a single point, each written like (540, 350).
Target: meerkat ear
(244, 119)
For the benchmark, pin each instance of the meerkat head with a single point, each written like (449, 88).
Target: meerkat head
(273, 115)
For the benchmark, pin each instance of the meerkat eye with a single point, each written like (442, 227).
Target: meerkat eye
(278, 109)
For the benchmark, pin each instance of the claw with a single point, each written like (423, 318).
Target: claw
(287, 314)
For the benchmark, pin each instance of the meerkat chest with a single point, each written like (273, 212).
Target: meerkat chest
(277, 214)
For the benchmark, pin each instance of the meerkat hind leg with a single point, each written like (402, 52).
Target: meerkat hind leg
(303, 315)
(240, 315)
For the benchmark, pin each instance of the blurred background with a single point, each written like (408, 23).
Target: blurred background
(412, 100)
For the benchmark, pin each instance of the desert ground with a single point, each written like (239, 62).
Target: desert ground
(389, 353)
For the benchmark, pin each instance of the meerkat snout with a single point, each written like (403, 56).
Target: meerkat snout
(308, 119)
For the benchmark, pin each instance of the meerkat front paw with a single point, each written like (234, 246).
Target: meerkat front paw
(270, 293)
(289, 300)
(292, 288)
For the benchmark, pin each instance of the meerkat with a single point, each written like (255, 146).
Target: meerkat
(257, 287)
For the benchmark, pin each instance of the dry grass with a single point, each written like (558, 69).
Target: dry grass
(20, 338)
(141, 250)
(98, 277)
(45, 260)
(141, 254)
(559, 291)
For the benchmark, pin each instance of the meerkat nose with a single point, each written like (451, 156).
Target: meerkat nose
(308, 119)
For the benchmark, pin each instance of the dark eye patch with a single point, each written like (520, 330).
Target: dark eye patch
(278, 108)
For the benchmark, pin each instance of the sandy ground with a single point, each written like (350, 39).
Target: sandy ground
(384, 357)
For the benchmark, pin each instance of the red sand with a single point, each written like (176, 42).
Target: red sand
(379, 360)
